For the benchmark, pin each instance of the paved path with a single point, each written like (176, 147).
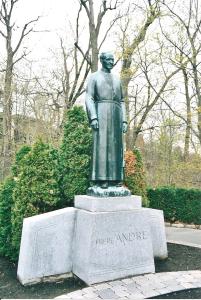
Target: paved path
(139, 287)
(150, 285)
(184, 236)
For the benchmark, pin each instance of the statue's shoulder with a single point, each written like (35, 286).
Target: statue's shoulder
(94, 76)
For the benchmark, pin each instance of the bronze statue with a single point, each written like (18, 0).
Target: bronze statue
(107, 117)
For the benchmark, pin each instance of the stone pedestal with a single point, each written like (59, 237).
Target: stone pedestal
(107, 204)
(154, 217)
(158, 235)
(46, 246)
(100, 239)
(111, 245)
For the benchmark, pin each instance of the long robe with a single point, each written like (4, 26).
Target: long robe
(104, 102)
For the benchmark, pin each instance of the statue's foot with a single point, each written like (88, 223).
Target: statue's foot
(104, 185)
(108, 191)
(119, 184)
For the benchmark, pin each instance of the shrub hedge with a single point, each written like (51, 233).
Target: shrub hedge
(178, 204)
(135, 175)
(36, 188)
(19, 159)
(75, 155)
(6, 202)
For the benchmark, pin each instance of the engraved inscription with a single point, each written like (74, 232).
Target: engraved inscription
(122, 238)
(43, 249)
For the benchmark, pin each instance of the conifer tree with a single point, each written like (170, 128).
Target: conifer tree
(36, 189)
(6, 203)
(75, 154)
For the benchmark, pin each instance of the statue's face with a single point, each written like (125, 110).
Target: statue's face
(108, 61)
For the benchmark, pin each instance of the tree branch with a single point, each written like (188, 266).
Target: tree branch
(85, 55)
(24, 33)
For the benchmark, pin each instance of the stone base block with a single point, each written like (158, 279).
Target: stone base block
(46, 246)
(107, 204)
(110, 191)
(157, 226)
(112, 245)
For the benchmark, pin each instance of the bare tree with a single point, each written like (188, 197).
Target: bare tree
(156, 83)
(79, 60)
(189, 48)
(187, 119)
(95, 24)
(188, 112)
(129, 47)
(6, 31)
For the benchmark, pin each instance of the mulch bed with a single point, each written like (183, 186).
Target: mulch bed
(186, 294)
(10, 287)
(181, 258)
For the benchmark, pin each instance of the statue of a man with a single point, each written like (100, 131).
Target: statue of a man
(107, 117)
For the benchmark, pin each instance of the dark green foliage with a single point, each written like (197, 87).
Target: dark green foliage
(135, 175)
(178, 204)
(6, 202)
(75, 155)
(37, 189)
(19, 160)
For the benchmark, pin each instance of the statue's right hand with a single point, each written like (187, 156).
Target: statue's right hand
(94, 124)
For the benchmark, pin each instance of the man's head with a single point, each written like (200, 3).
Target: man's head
(107, 60)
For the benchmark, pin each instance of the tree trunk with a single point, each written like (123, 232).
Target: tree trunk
(93, 39)
(188, 116)
(198, 92)
(94, 51)
(197, 86)
(7, 112)
(126, 73)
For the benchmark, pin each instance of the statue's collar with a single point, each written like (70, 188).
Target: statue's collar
(105, 71)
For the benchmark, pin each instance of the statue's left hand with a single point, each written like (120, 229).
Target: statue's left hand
(94, 124)
(125, 127)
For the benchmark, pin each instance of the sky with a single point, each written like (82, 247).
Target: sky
(54, 20)
(57, 18)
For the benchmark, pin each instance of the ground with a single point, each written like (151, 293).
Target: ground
(180, 258)
(11, 288)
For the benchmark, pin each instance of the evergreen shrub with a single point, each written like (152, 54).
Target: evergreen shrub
(178, 204)
(6, 202)
(135, 175)
(19, 157)
(36, 188)
(75, 155)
